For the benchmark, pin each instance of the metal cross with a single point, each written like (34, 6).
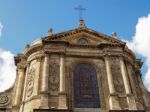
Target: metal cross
(80, 9)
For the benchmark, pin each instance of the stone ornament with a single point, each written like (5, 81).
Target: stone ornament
(123, 102)
(117, 77)
(54, 76)
(137, 88)
(4, 100)
(54, 80)
(30, 82)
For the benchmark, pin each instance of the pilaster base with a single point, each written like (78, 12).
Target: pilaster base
(44, 101)
(114, 103)
(131, 102)
(62, 101)
(15, 109)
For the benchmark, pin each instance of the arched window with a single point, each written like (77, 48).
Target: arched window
(86, 92)
(83, 41)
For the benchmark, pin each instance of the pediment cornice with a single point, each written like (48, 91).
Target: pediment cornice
(83, 31)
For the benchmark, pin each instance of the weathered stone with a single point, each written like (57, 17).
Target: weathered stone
(50, 79)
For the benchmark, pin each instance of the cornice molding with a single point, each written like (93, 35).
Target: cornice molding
(56, 46)
(69, 33)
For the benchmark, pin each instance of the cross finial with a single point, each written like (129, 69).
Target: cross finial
(80, 9)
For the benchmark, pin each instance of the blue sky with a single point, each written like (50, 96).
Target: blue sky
(25, 21)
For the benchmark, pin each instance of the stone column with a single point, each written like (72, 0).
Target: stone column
(113, 99)
(62, 92)
(130, 97)
(19, 87)
(44, 83)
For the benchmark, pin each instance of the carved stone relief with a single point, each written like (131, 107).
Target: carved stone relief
(148, 101)
(137, 88)
(54, 76)
(118, 82)
(123, 103)
(117, 77)
(30, 81)
(4, 100)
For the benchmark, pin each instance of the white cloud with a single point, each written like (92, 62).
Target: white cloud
(141, 44)
(7, 69)
(1, 27)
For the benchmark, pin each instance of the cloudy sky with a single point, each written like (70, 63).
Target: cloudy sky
(21, 22)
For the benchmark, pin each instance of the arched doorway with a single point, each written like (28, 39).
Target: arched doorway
(86, 92)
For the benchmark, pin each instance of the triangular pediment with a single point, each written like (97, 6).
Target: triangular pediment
(81, 35)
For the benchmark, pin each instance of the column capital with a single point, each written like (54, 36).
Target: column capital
(20, 66)
(105, 54)
(38, 58)
(45, 54)
(62, 55)
(138, 72)
(121, 57)
(106, 57)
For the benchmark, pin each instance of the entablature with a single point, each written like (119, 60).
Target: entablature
(55, 46)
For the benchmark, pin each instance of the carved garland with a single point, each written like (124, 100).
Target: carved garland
(54, 76)
(118, 82)
(30, 82)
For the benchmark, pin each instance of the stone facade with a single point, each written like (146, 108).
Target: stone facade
(79, 70)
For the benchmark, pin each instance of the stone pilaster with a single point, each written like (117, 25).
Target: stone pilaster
(24, 88)
(113, 99)
(130, 97)
(141, 89)
(109, 76)
(125, 76)
(62, 75)
(44, 83)
(62, 92)
(45, 72)
(20, 80)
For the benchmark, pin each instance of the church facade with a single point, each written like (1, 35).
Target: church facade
(79, 70)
